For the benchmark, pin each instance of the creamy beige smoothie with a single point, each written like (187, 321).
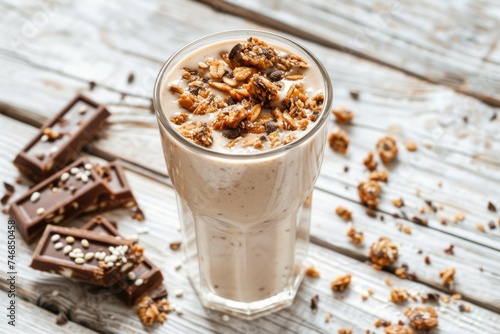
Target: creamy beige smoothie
(244, 139)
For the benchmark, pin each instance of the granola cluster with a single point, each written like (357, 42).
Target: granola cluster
(343, 213)
(422, 318)
(341, 283)
(150, 310)
(369, 192)
(387, 149)
(398, 329)
(338, 141)
(399, 295)
(447, 276)
(383, 253)
(355, 235)
(244, 90)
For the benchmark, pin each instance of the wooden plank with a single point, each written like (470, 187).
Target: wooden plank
(100, 311)
(421, 38)
(36, 320)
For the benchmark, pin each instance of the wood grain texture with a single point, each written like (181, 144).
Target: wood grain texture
(421, 38)
(100, 311)
(36, 320)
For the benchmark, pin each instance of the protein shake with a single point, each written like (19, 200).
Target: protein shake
(243, 124)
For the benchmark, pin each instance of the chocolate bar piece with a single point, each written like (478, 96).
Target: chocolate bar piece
(60, 140)
(85, 255)
(58, 199)
(144, 278)
(120, 193)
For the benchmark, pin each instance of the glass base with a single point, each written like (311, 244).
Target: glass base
(252, 310)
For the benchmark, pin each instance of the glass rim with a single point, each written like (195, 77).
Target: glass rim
(323, 117)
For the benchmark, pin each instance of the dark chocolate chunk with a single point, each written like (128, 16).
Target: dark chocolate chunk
(235, 51)
(58, 143)
(371, 213)
(492, 225)
(131, 78)
(449, 250)
(65, 251)
(9, 187)
(492, 207)
(427, 260)
(270, 127)
(419, 220)
(276, 75)
(314, 303)
(231, 133)
(354, 95)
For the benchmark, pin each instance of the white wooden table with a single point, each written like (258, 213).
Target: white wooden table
(423, 70)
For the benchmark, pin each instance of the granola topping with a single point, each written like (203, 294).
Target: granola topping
(244, 90)
(387, 149)
(397, 329)
(355, 235)
(368, 192)
(338, 141)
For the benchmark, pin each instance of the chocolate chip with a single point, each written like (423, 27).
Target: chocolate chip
(131, 78)
(314, 303)
(370, 213)
(235, 51)
(5, 198)
(354, 95)
(92, 85)
(346, 169)
(449, 250)
(461, 308)
(419, 220)
(270, 127)
(433, 297)
(230, 101)
(276, 75)
(9, 187)
(428, 202)
(195, 91)
(394, 215)
(427, 260)
(420, 251)
(231, 133)
(493, 117)
(492, 207)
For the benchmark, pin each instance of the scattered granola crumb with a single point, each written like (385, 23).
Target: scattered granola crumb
(383, 253)
(405, 228)
(378, 323)
(387, 149)
(480, 227)
(492, 207)
(341, 283)
(343, 213)
(225, 318)
(459, 217)
(417, 192)
(314, 303)
(138, 214)
(312, 272)
(388, 281)
(338, 141)
(354, 95)
(328, 316)
(345, 331)
(355, 235)
(399, 295)
(370, 292)
(464, 308)
(422, 318)
(398, 329)
(343, 115)
(449, 250)
(368, 192)
(447, 276)
(364, 297)
(456, 296)
(445, 299)
(150, 311)
(398, 202)
(379, 175)
(175, 245)
(369, 162)
(411, 146)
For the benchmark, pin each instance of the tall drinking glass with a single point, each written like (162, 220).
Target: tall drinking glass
(244, 217)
